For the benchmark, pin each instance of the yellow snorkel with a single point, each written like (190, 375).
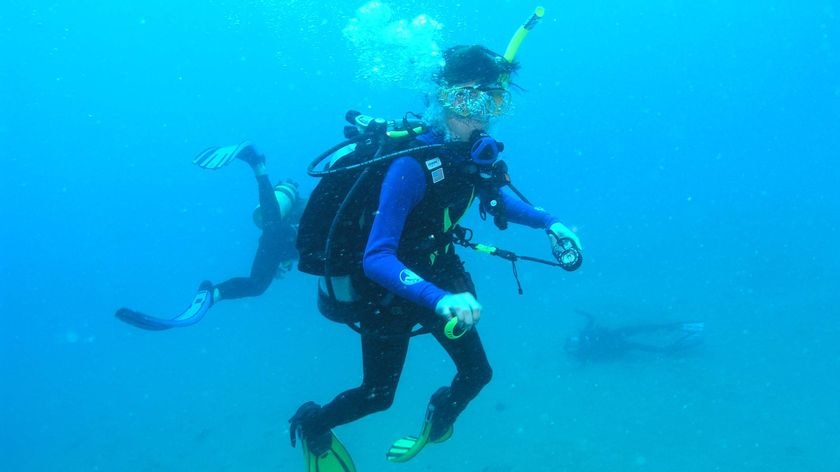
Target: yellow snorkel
(521, 32)
(452, 328)
(519, 36)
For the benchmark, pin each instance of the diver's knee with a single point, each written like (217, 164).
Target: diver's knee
(261, 284)
(379, 399)
(481, 375)
(486, 375)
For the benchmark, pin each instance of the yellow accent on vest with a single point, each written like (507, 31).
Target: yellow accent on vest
(448, 225)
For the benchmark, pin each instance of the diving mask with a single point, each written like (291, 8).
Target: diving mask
(475, 101)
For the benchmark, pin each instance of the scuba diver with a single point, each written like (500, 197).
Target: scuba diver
(387, 262)
(597, 343)
(277, 216)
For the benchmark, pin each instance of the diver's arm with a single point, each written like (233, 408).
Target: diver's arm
(403, 188)
(522, 213)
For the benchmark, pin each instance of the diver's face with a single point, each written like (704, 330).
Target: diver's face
(461, 128)
(475, 100)
(471, 106)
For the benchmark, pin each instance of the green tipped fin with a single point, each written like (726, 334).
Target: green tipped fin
(404, 449)
(334, 459)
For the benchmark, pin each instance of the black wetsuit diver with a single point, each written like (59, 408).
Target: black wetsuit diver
(400, 266)
(277, 216)
(276, 249)
(597, 343)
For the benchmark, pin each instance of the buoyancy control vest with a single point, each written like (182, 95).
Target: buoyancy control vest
(336, 222)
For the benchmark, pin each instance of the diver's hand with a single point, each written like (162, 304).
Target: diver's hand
(560, 231)
(463, 306)
(559, 237)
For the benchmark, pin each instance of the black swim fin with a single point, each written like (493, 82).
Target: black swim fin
(219, 156)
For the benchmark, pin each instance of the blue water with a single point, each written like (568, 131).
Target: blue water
(693, 145)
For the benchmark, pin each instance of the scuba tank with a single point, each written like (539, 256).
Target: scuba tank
(330, 237)
(286, 194)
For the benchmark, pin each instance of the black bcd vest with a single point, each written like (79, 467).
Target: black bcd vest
(451, 186)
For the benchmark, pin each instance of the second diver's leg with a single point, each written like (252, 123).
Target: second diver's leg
(269, 206)
(269, 252)
(263, 269)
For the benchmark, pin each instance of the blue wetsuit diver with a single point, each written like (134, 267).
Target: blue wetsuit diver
(408, 273)
(277, 217)
(598, 343)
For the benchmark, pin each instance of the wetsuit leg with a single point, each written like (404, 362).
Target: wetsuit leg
(383, 359)
(268, 202)
(467, 352)
(473, 373)
(269, 252)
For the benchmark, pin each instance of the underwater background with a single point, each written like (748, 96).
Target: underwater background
(692, 145)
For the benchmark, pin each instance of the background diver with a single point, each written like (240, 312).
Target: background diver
(598, 343)
(394, 264)
(277, 216)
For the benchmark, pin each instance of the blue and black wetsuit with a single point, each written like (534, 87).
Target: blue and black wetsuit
(409, 264)
(277, 245)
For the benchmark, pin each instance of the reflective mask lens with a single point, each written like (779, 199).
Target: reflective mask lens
(476, 101)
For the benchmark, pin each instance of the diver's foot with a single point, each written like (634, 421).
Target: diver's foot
(441, 422)
(319, 444)
(441, 433)
(304, 425)
(207, 286)
(248, 154)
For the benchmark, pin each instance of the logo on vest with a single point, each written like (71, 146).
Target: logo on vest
(407, 277)
(433, 163)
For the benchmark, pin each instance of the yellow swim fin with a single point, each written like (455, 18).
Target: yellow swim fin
(334, 459)
(404, 449)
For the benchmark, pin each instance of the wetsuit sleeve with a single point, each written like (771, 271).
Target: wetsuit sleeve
(521, 213)
(403, 188)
